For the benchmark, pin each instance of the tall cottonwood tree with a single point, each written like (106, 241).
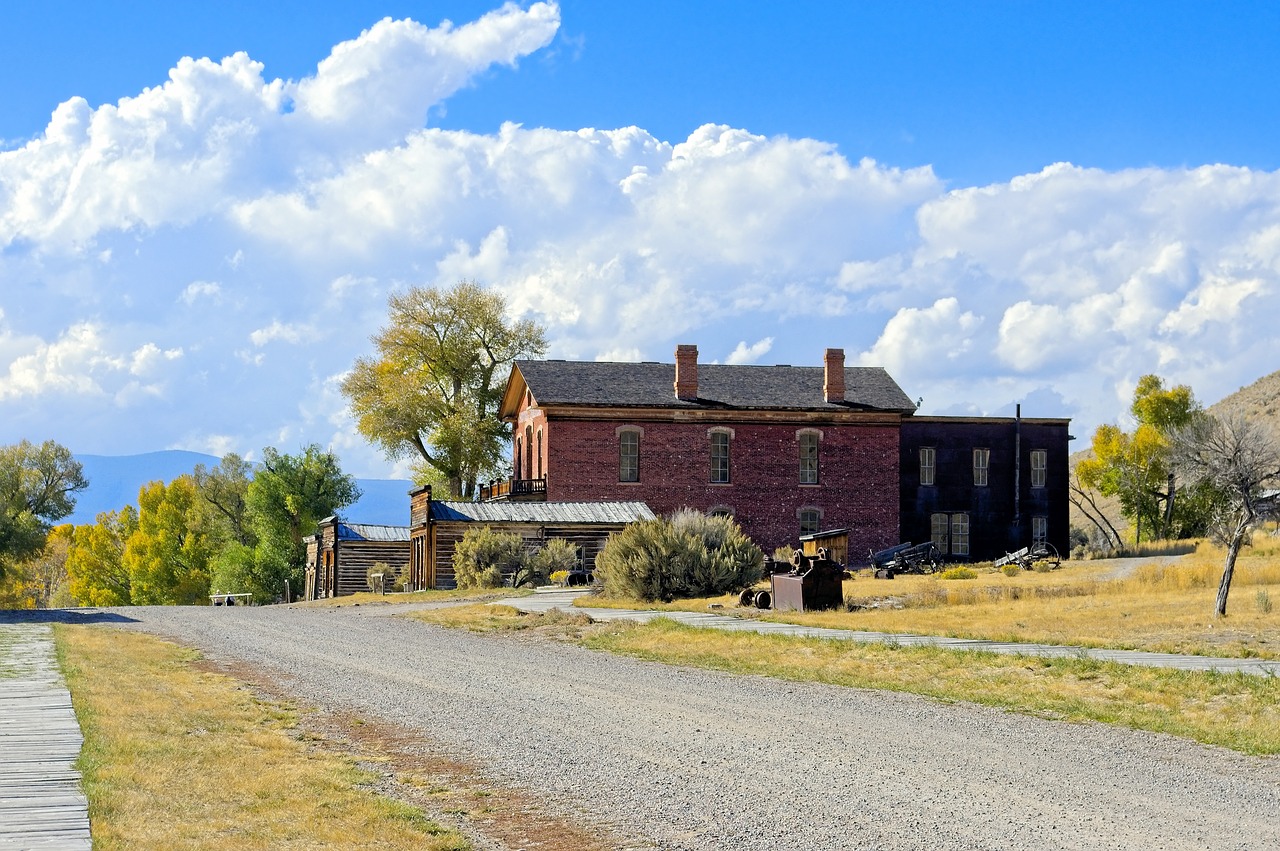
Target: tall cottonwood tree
(1135, 466)
(95, 560)
(38, 484)
(433, 389)
(1238, 460)
(288, 496)
(168, 554)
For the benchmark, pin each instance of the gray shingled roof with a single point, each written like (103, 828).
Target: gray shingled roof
(651, 385)
(371, 532)
(541, 512)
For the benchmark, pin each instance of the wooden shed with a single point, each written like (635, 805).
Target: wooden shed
(340, 556)
(834, 541)
(438, 526)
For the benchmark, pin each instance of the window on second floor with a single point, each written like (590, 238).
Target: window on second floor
(1039, 467)
(539, 456)
(927, 456)
(628, 455)
(720, 457)
(808, 441)
(981, 460)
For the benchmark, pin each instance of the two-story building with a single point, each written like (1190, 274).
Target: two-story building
(785, 450)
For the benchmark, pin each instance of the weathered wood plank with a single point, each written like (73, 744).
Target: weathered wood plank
(41, 802)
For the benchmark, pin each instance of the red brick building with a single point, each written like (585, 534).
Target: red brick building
(782, 449)
(785, 450)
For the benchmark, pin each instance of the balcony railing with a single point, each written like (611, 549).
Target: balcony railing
(514, 489)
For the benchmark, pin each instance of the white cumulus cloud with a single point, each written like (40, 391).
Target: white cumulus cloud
(178, 240)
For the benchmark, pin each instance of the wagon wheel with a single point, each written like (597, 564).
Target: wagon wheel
(1046, 553)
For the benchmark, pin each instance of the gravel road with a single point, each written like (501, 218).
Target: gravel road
(688, 759)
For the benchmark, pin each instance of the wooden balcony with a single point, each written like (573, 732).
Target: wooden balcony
(515, 490)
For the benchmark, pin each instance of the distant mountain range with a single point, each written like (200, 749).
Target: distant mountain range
(114, 482)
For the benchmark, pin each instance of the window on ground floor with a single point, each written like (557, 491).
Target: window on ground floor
(810, 520)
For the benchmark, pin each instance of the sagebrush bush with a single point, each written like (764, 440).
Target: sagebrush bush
(958, 573)
(686, 555)
(483, 557)
(556, 556)
(1011, 569)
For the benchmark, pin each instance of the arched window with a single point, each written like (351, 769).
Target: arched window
(528, 451)
(518, 459)
(720, 439)
(810, 520)
(807, 440)
(629, 453)
(539, 476)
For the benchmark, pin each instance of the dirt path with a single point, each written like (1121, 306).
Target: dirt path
(644, 755)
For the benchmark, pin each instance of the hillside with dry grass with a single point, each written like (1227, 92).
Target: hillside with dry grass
(1259, 401)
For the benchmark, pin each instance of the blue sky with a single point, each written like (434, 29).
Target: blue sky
(1000, 202)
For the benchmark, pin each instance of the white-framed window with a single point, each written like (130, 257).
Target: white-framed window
(928, 456)
(960, 534)
(808, 442)
(720, 511)
(539, 456)
(981, 461)
(1039, 530)
(810, 520)
(720, 456)
(628, 454)
(1039, 467)
(939, 531)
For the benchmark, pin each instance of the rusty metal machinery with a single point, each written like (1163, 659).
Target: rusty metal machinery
(812, 583)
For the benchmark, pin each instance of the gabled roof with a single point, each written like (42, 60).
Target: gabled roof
(652, 385)
(541, 512)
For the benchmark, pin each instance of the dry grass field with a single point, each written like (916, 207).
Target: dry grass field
(179, 757)
(1162, 607)
(1236, 711)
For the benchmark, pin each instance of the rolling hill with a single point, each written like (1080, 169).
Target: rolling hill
(114, 482)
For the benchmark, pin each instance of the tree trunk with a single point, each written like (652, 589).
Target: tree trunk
(1229, 568)
(1168, 506)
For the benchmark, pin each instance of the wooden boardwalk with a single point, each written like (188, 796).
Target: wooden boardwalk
(41, 803)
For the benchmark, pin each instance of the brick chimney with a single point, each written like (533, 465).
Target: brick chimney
(687, 373)
(833, 375)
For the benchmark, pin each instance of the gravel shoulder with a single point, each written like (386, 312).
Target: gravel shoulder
(690, 759)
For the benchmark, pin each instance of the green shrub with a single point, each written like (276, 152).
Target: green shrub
(556, 556)
(388, 575)
(1264, 601)
(483, 557)
(958, 573)
(1011, 569)
(686, 555)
